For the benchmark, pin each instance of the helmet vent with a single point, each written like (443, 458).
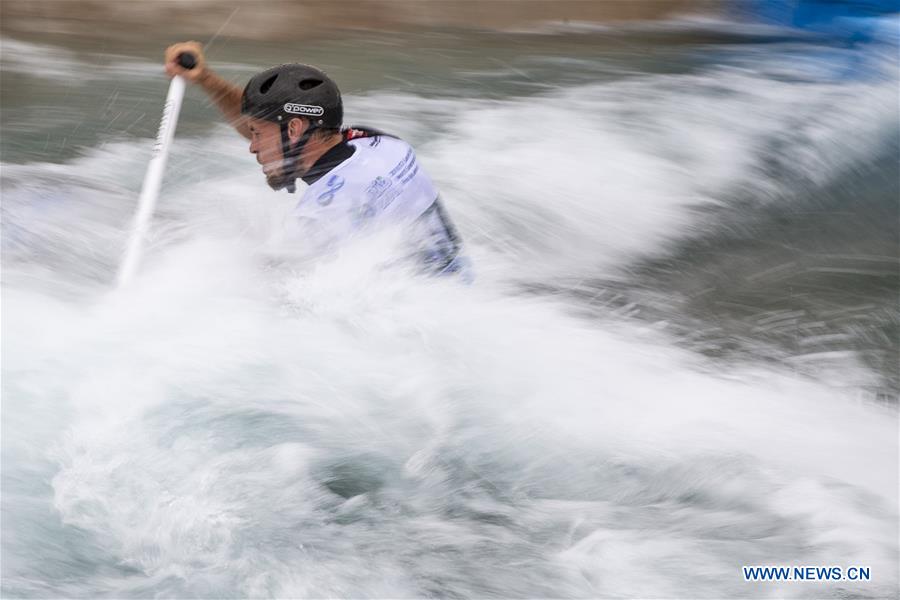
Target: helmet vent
(308, 84)
(267, 84)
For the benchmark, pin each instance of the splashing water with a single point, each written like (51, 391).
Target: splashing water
(247, 420)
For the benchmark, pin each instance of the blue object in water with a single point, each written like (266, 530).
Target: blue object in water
(847, 20)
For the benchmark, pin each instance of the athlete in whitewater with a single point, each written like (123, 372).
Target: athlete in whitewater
(357, 177)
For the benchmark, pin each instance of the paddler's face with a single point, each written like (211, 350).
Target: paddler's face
(265, 143)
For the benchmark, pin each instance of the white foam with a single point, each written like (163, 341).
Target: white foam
(210, 403)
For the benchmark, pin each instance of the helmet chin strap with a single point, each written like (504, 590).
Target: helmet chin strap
(291, 162)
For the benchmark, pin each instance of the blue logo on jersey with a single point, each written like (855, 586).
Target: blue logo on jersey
(333, 183)
(377, 187)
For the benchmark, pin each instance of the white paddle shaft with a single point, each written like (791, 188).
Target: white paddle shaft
(152, 181)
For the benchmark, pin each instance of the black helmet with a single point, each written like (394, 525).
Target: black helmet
(289, 91)
(294, 90)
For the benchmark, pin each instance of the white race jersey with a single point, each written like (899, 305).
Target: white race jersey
(380, 183)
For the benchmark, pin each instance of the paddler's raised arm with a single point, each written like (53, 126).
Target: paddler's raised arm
(225, 94)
